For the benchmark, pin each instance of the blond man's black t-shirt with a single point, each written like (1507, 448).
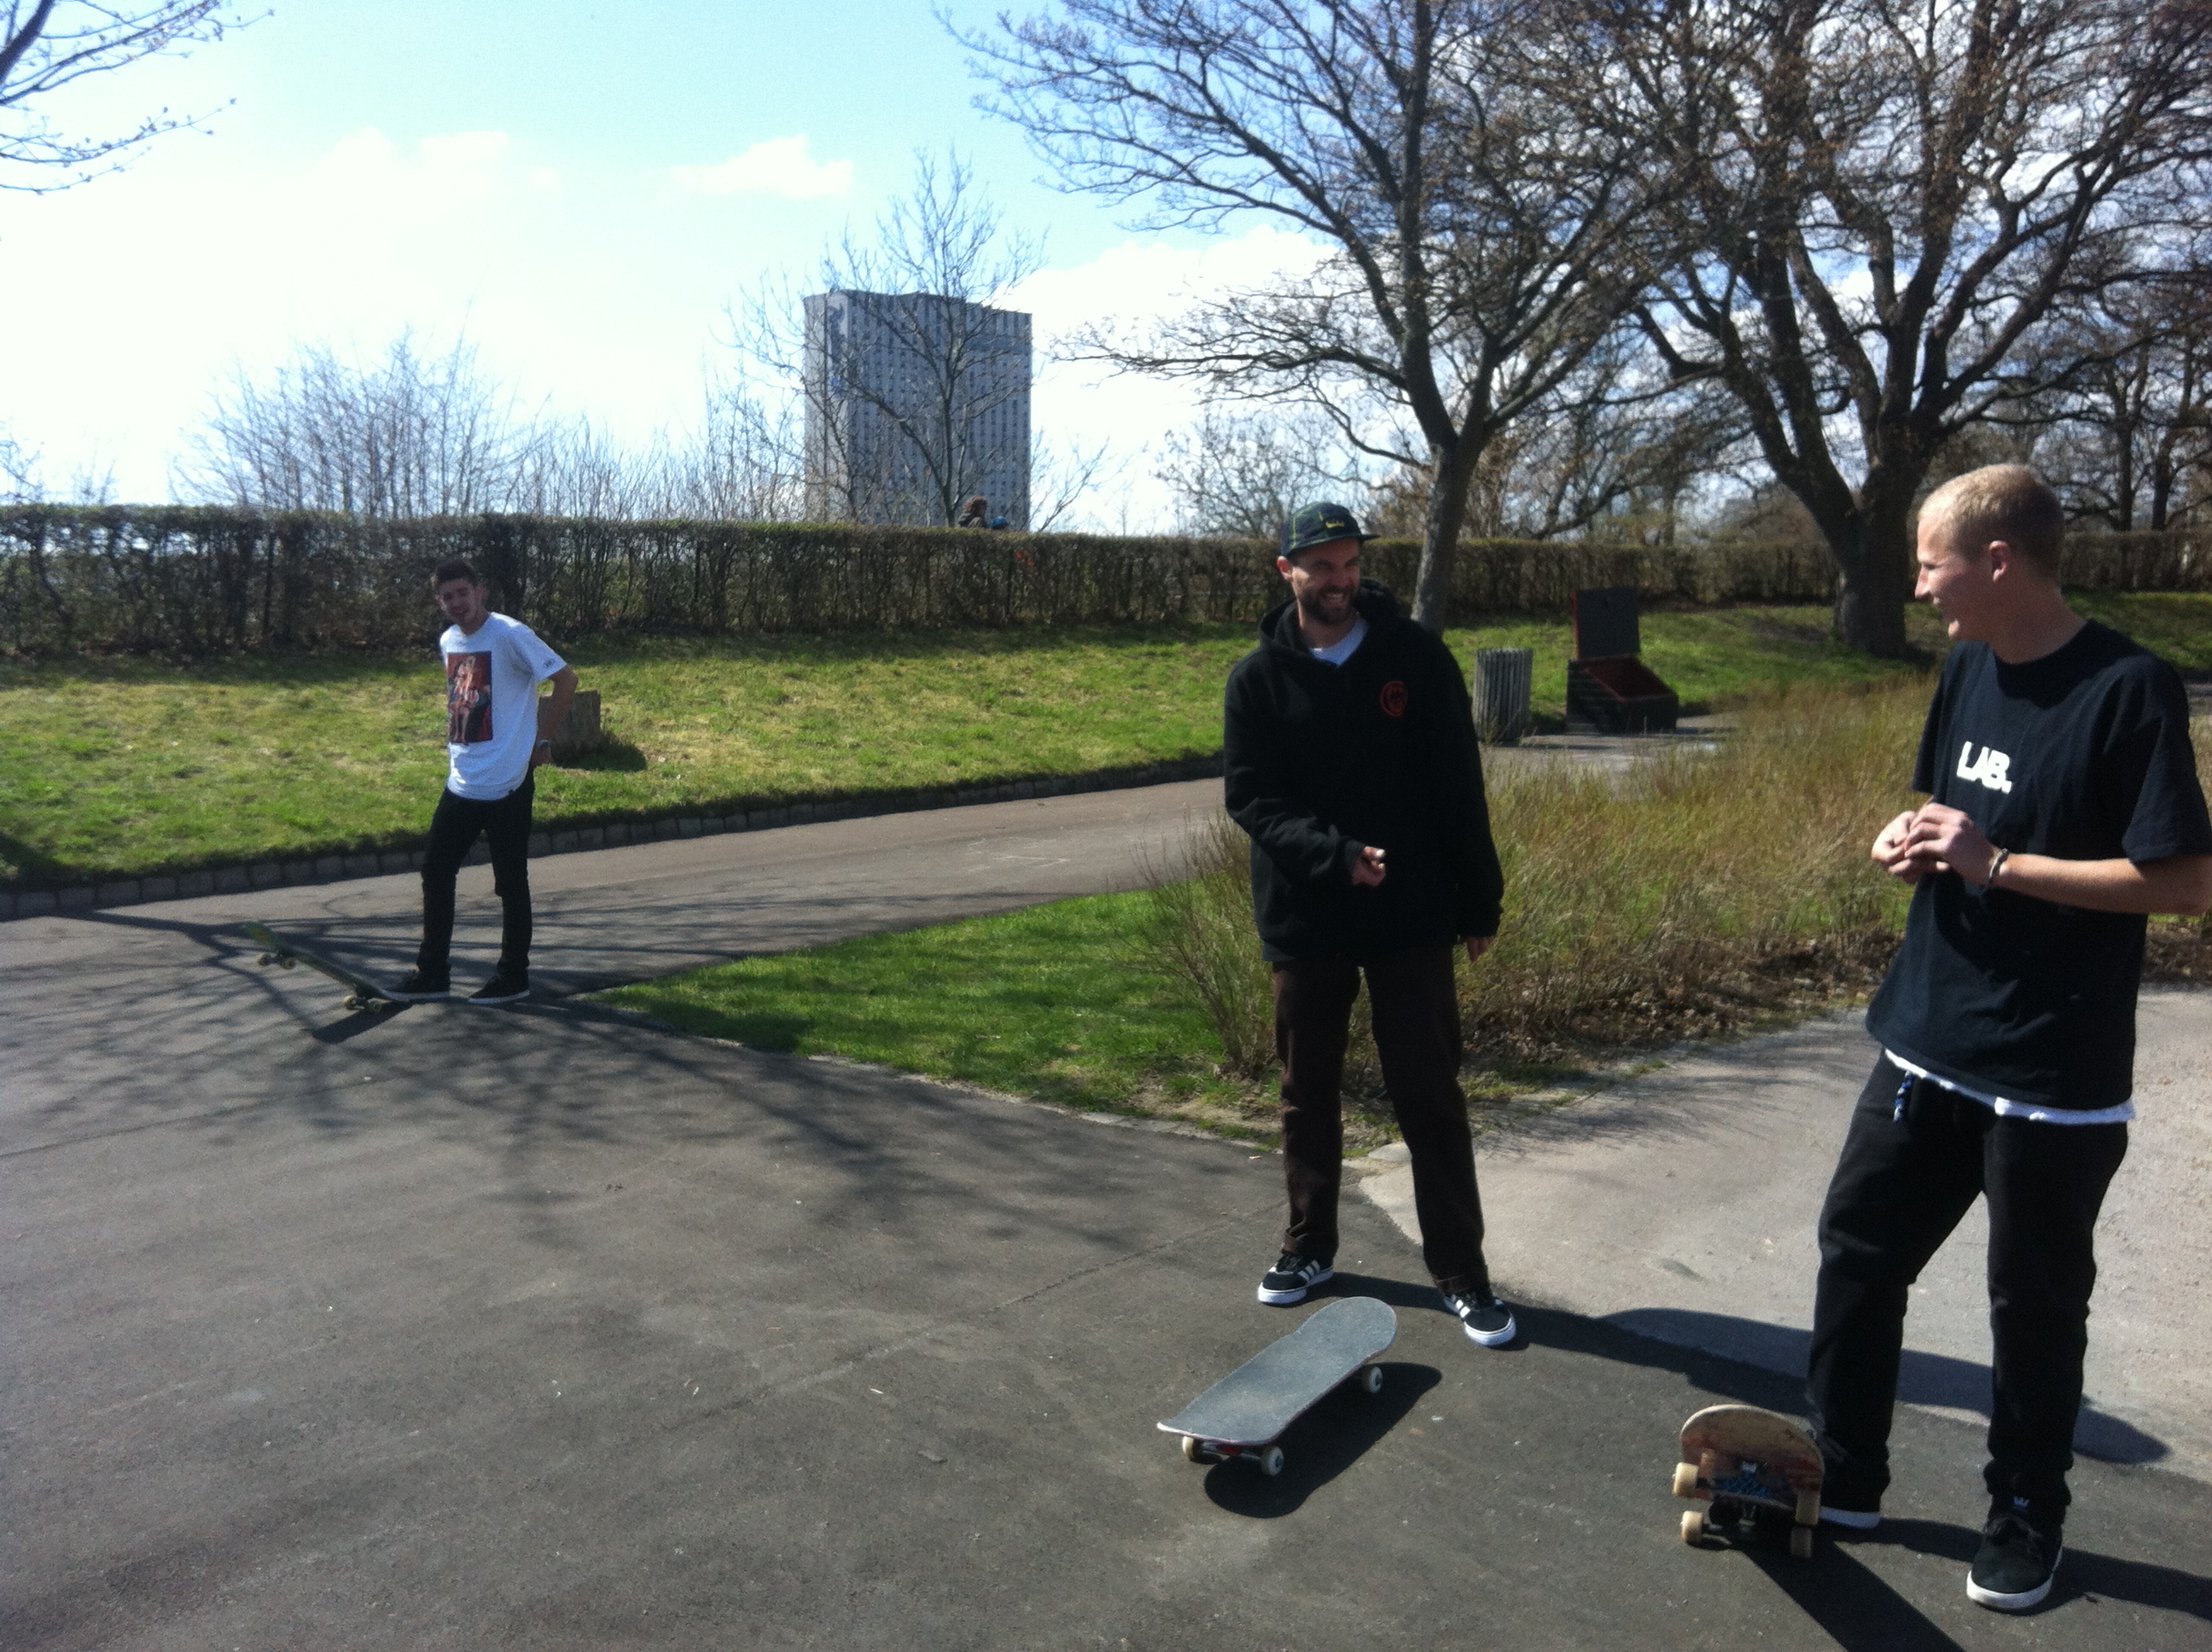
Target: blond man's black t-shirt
(2082, 755)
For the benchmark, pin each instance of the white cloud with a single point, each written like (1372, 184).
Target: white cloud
(1127, 287)
(775, 166)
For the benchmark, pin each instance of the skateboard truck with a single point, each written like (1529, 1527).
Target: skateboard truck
(1755, 1467)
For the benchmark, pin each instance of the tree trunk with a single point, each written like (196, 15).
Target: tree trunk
(1449, 469)
(1874, 561)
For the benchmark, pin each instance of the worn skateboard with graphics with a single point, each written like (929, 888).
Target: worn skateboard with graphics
(1243, 1415)
(1759, 1470)
(362, 993)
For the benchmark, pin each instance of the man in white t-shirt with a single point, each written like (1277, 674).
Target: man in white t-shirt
(498, 729)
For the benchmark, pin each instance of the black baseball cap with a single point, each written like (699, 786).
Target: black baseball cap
(1319, 524)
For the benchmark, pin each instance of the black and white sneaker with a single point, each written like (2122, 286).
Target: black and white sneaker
(418, 986)
(2018, 1559)
(1291, 1277)
(1486, 1319)
(502, 988)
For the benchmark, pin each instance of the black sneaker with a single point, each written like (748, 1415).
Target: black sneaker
(1291, 1277)
(1487, 1321)
(502, 988)
(2018, 1559)
(419, 987)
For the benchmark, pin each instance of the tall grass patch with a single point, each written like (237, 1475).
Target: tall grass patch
(1693, 894)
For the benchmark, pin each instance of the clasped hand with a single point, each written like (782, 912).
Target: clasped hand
(1934, 837)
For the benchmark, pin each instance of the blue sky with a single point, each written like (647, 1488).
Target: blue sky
(580, 186)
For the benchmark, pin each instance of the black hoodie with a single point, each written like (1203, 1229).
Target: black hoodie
(1320, 760)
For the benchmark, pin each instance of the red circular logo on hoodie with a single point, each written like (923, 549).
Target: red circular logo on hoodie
(1394, 698)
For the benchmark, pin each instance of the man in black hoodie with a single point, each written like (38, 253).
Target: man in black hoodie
(1350, 756)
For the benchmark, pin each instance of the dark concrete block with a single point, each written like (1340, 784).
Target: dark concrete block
(73, 899)
(232, 880)
(688, 826)
(541, 843)
(328, 867)
(361, 865)
(34, 903)
(157, 889)
(194, 885)
(123, 892)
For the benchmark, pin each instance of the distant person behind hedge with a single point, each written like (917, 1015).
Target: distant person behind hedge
(498, 729)
(976, 512)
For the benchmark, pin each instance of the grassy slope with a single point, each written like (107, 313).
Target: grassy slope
(109, 767)
(1062, 1001)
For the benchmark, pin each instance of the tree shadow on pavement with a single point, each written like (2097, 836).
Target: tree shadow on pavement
(1340, 1429)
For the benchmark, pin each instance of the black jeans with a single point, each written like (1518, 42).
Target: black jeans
(1900, 1187)
(1415, 1009)
(454, 827)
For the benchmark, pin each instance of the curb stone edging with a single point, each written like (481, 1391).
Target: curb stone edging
(241, 877)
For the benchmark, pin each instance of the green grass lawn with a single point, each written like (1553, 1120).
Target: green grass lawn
(116, 766)
(1064, 1002)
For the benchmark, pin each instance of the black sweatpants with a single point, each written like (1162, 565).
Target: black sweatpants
(1900, 1187)
(1415, 1010)
(455, 825)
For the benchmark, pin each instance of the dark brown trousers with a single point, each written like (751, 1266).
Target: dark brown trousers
(1415, 1011)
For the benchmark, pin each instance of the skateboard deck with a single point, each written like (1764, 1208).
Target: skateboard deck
(362, 993)
(1243, 1415)
(1757, 1468)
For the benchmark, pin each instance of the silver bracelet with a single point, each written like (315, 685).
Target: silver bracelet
(1996, 866)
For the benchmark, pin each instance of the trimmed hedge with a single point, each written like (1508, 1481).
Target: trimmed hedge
(198, 581)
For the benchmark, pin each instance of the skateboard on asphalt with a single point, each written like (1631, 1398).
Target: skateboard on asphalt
(1759, 1470)
(1243, 1415)
(362, 994)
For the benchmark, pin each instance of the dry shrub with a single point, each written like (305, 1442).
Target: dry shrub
(1691, 895)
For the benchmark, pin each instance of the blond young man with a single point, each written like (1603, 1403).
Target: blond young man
(2063, 806)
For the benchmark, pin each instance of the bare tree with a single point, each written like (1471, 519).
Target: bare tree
(1240, 476)
(411, 435)
(2125, 431)
(46, 45)
(914, 386)
(1872, 205)
(1466, 227)
(1062, 475)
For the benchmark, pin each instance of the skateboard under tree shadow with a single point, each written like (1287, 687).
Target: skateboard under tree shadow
(1757, 1468)
(1243, 1415)
(362, 993)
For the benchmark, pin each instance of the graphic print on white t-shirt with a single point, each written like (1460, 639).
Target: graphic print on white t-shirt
(468, 698)
(492, 675)
(1990, 768)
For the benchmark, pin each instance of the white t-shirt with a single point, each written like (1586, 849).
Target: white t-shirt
(491, 704)
(1346, 646)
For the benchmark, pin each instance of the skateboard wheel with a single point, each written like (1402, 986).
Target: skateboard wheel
(1271, 1461)
(1190, 1451)
(290, 963)
(1800, 1542)
(1686, 1479)
(267, 958)
(1372, 1379)
(1693, 1525)
(1809, 1507)
(352, 1001)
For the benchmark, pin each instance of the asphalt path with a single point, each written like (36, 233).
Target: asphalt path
(543, 1327)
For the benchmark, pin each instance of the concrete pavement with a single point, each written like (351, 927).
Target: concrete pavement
(1702, 1181)
(540, 1328)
